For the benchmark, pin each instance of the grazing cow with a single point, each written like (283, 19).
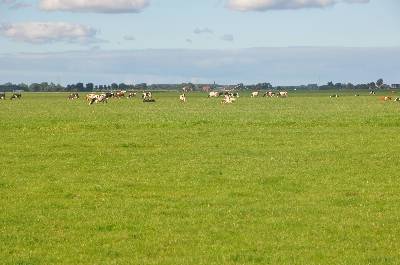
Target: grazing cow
(131, 95)
(73, 96)
(16, 96)
(2, 95)
(213, 94)
(282, 94)
(372, 92)
(89, 97)
(356, 95)
(269, 94)
(119, 94)
(386, 98)
(98, 99)
(182, 98)
(146, 95)
(254, 94)
(109, 94)
(397, 100)
(334, 96)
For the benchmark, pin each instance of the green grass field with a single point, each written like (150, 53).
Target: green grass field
(303, 180)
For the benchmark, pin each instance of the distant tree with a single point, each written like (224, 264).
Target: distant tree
(80, 87)
(379, 83)
(89, 87)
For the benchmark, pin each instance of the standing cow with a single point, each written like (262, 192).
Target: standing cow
(254, 94)
(146, 95)
(2, 95)
(182, 98)
(16, 96)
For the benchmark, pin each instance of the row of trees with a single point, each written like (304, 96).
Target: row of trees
(89, 87)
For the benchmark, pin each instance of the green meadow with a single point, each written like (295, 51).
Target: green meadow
(306, 179)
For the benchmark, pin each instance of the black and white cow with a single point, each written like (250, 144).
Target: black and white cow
(73, 96)
(16, 96)
(2, 95)
(131, 95)
(147, 95)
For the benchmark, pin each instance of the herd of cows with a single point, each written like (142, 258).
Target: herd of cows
(228, 96)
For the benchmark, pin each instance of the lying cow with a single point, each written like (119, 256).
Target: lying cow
(254, 94)
(73, 96)
(228, 100)
(131, 95)
(213, 94)
(334, 96)
(372, 92)
(149, 100)
(386, 98)
(182, 98)
(397, 100)
(283, 94)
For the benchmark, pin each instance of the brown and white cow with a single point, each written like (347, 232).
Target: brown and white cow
(283, 94)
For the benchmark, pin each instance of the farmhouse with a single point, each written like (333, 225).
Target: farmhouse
(206, 88)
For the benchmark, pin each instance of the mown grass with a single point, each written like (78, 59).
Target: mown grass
(302, 180)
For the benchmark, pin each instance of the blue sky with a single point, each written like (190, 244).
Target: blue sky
(228, 28)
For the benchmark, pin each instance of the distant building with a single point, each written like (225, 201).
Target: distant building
(312, 86)
(395, 86)
(206, 88)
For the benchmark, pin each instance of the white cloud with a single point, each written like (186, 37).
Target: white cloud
(43, 32)
(129, 37)
(95, 6)
(13, 4)
(203, 30)
(227, 37)
(264, 5)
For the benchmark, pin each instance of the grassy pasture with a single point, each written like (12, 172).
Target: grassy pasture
(302, 180)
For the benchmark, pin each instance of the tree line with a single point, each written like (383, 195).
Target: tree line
(90, 87)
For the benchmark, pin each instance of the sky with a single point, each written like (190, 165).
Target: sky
(285, 42)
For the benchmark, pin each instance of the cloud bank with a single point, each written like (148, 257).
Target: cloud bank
(265, 5)
(45, 32)
(95, 6)
(283, 66)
